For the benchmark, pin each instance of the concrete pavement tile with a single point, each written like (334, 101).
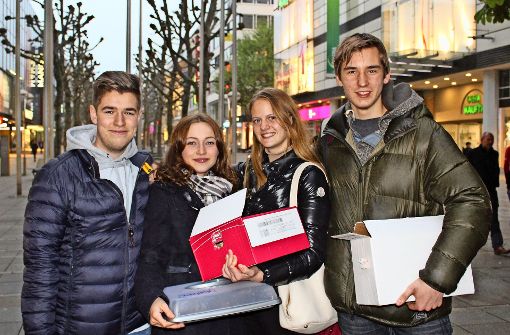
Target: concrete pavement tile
(487, 259)
(459, 331)
(15, 267)
(472, 315)
(10, 301)
(8, 314)
(11, 277)
(11, 288)
(9, 253)
(10, 328)
(488, 329)
(489, 291)
(457, 302)
(502, 312)
(4, 263)
(502, 272)
(11, 245)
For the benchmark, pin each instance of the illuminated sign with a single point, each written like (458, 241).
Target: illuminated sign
(472, 102)
(283, 3)
(315, 113)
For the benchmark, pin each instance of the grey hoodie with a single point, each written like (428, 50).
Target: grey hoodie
(120, 171)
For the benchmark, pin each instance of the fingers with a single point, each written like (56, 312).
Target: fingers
(404, 296)
(236, 272)
(426, 298)
(229, 269)
(160, 313)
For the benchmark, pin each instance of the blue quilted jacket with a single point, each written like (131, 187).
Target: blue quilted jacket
(80, 249)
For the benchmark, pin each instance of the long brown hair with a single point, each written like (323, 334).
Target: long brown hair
(175, 170)
(286, 112)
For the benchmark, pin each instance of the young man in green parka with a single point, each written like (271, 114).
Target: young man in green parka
(387, 158)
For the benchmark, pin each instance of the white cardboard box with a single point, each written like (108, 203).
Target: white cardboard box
(388, 254)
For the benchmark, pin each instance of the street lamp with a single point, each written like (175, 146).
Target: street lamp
(17, 103)
(233, 122)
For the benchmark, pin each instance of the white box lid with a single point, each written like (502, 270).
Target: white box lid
(219, 212)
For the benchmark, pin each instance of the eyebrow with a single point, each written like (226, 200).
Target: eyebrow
(196, 138)
(126, 109)
(368, 67)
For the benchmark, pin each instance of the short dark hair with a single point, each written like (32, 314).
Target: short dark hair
(119, 81)
(356, 43)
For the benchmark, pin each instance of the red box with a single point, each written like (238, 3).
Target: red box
(253, 239)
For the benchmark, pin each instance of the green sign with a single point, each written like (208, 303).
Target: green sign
(473, 99)
(283, 3)
(472, 103)
(332, 34)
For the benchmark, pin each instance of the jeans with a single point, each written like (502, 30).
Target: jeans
(496, 236)
(146, 331)
(356, 325)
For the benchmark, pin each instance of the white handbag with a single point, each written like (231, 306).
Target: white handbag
(305, 308)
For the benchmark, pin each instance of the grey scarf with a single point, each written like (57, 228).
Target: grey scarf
(210, 188)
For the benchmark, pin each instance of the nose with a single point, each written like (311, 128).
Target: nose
(201, 149)
(119, 119)
(264, 124)
(362, 79)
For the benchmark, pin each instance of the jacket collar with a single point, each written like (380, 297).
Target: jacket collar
(139, 159)
(282, 163)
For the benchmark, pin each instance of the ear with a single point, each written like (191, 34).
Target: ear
(93, 114)
(339, 81)
(387, 78)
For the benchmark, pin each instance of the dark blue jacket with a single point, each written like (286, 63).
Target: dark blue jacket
(80, 249)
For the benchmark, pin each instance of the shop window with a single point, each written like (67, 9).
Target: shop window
(248, 21)
(436, 29)
(504, 86)
(263, 20)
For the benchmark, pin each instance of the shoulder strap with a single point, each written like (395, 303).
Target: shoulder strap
(295, 181)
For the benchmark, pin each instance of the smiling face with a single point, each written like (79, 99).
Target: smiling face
(362, 79)
(200, 150)
(267, 129)
(116, 117)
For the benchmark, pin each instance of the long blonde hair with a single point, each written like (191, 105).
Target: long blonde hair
(286, 112)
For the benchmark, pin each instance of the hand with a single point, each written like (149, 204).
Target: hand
(236, 272)
(158, 312)
(426, 297)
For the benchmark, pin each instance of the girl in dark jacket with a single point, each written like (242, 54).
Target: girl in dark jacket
(280, 145)
(195, 174)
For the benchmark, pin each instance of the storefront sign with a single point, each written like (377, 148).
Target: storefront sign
(332, 34)
(315, 113)
(473, 102)
(283, 3)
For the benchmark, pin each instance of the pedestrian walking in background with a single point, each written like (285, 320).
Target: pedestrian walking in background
(467, 148)
(486, 162)
(280, 145)
(196, 172)
(34, 147)
(83, 222)
(506, 169)
(388, 159)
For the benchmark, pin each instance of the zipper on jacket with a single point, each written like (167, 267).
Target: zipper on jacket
(130, 244)
(70, 281)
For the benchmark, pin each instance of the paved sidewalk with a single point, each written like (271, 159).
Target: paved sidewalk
(485, 313)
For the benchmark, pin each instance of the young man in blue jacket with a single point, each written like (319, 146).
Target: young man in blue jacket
(83, 222)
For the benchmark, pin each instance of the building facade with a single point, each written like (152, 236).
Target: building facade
(31, 120)
(251, 14)
(462, 69)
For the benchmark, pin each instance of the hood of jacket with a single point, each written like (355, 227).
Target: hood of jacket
(401, 102)
(121, 171)
(83, 137)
